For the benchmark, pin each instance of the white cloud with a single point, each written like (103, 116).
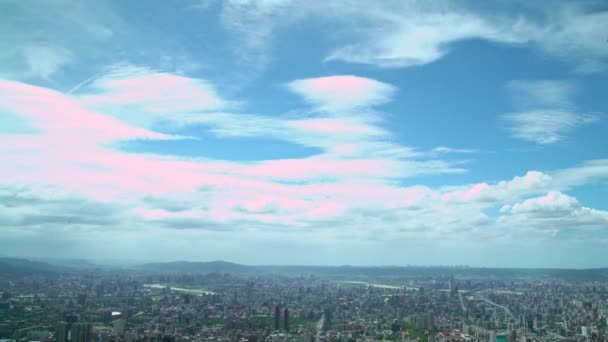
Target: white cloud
(553, 213)
(590, 66)
(488, 194)
(350, 191)
(409, 33)
(144, 97)
(554, 201)
(542, 93)
(571, 33)
(356, 190)
(415, 35)
(450, 150)
(44, 60)
(343, 92)
(40, 41)
(547, 113)
(252, 24)
(589, 172)
(545, 126)
(414, 32)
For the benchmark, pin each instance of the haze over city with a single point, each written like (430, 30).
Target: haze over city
(305, 132)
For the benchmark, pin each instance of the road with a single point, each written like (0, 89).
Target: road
(319, 327)
(500, 306)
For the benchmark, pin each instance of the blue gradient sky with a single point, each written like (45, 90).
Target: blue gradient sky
(306, 132)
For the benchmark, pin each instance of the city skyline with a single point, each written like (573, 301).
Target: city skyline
(306, 133)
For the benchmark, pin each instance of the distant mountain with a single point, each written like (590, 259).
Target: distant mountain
(17, 268)
(379, 272)
(197, 267)
(71, 263)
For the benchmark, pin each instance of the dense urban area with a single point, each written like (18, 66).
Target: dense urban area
(170, 302)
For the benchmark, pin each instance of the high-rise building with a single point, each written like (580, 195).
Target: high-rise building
(81, 332)
(277, 317)
(523, 322)
(286, 319)
(119, 326)
(61, 334)
(492, 336)
(453, 288)
(430, 321)
(82, 299)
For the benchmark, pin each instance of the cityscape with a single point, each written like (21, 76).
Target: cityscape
(153, 302)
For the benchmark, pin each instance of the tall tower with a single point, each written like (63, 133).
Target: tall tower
(452, 287)
(430, 321)
(81, 332)
(286, 318)
(277, 317)
(62, 332)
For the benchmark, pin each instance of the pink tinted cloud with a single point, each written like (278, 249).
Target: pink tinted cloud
(342, 92)
(156, 93)
(475, 192)
(470, 194)
(70, 148)
(324, 167)
(533, 178)
(56, 114)
(71, 155)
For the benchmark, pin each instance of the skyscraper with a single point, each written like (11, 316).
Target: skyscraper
(119, 326)
(82, 299)
(62, 332)
(430, 321)
(453, 288)
(277, 317)
(286, 318)
(491, 336)
(81, 332)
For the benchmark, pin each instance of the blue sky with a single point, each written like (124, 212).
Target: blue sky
(306, 132)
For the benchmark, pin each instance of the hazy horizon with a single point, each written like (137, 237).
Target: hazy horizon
(136, 262)
(306, 132)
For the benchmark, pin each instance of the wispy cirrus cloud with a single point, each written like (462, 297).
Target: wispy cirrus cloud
(542, 93)
(339, 121)
(410, 33)
(39, 42)
(44, 60)
(419, 34)
(415, 32)
(546, 126)
(548, 114)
